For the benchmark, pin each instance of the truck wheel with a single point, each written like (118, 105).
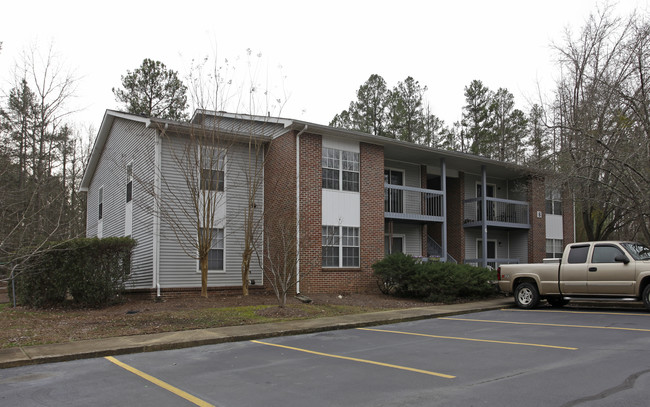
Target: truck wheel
(557, 302)
(526, 296)
(646, 297)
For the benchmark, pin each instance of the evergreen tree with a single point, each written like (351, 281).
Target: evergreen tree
(476, 119)
(153, 90)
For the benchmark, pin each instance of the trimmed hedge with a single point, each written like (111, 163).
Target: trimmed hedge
(432, 281)
(92, 271)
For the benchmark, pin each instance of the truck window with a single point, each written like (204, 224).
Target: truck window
(605, 254)
(578, 254)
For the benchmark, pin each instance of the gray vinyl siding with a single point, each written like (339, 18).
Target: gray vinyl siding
(412, 237)
(470, 186)
(514, 244)
(412, 178)
(128, 141)
(178, 263)
(519, 245)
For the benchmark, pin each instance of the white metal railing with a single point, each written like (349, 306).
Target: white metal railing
(412, 203)
(491, 262)
(505, 211)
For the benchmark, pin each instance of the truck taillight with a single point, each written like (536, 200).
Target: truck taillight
(498, 273)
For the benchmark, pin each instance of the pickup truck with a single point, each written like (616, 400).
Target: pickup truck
(610, 271)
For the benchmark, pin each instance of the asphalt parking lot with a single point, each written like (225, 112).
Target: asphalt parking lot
(544, 357)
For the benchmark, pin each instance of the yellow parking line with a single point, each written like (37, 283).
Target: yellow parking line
(543, 324)
(579, 312)
(160, 383)
(469, 339)
(410, 369)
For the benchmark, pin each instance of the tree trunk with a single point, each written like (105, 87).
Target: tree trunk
(203, 262)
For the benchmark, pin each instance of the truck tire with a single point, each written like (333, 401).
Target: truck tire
(526, 296)
(557, 302)
(646, 297)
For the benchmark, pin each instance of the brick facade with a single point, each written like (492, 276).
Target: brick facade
(314, 278)
(537, 234)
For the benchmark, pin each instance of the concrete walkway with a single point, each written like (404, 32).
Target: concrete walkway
(30, 355)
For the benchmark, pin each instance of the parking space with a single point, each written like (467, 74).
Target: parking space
(505, 357)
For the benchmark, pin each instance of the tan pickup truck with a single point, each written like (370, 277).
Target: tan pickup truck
(610, 271)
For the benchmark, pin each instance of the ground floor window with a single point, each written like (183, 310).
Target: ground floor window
(216, 253)
(554, 248)
(340, 246)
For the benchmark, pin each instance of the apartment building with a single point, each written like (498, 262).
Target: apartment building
(346, 199)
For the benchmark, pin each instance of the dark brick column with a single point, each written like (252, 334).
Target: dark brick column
(537, 233)
(455, 217)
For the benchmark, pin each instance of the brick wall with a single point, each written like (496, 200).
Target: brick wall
(312, 279)
(279, 198)
(315, 279)
(455, 217)
(537, 232)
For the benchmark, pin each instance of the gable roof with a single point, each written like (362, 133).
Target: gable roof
(268, 128)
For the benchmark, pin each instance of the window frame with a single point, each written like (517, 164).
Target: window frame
(214, 246)
(557, 246)
(340, 170)
(337, 242)
(216, 168)
(553, 202)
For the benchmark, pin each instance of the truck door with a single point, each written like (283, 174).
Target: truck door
(573, 271)
(608, 276)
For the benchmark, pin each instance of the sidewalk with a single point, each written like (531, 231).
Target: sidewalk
(31, 355)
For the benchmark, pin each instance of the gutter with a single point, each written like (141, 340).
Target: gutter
(298, 208)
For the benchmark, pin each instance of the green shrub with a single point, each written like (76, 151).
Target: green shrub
(92, 271)
(403, 275)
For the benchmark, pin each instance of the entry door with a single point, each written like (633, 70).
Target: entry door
(393, 198)
(394, 245)
(491, 251)
(489, 191)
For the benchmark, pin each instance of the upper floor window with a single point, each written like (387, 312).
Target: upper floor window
(212, 169)
(553, 202)
(340, 170)
(129, 182)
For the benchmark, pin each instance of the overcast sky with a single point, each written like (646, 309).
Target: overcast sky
(314, 54)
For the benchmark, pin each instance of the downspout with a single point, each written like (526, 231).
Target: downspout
(443, 184)
(156, 211)
(484, 216)
(298, 209)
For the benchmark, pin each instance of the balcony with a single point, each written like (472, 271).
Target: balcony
(502, 213)
(410, 203)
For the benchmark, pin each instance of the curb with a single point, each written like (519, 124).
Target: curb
(32, 355)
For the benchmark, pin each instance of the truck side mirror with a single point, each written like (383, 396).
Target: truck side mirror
(622, 259)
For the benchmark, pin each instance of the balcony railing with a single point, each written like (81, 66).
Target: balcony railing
(500, 212)
(491, 262)
(412, 203)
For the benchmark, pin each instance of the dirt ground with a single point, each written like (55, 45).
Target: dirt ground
(363, 301)
(24, 326)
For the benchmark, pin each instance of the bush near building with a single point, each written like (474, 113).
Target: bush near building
(403, 275)
(88, 272)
